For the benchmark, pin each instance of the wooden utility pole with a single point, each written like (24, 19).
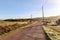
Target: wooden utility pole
(44, 22)
(43, 18)
(42, 14)
(31, 16)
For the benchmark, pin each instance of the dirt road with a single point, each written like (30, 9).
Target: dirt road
(33, 32)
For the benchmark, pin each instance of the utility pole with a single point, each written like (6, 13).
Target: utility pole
(43, 18)
(31, 16)
(43, 14)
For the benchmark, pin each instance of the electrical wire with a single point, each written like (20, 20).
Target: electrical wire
(44, 2)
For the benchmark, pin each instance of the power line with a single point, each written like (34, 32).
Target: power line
(44, 2)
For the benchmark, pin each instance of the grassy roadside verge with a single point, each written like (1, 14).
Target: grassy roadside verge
(52, 33)
(5, 34)
(13, 31)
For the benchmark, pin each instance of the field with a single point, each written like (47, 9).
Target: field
(7, 27)
(53, 32)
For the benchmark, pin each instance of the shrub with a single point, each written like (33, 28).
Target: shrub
(2, 30)
(58, 22)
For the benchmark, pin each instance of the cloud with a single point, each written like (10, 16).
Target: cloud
(54, 1)
(56, 4)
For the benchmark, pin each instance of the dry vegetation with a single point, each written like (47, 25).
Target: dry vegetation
(53, 33)
(9, 25)
(6, 27)
(52, 28)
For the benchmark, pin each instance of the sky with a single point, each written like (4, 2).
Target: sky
(26, 8)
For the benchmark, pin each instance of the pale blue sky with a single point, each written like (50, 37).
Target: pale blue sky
(24, 8)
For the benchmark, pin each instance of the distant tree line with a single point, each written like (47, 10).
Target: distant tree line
(13, 20)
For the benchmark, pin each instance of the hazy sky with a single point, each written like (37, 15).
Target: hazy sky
(24, 8)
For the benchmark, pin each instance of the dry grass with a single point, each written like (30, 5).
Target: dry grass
(9, 27)
(54, 35)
